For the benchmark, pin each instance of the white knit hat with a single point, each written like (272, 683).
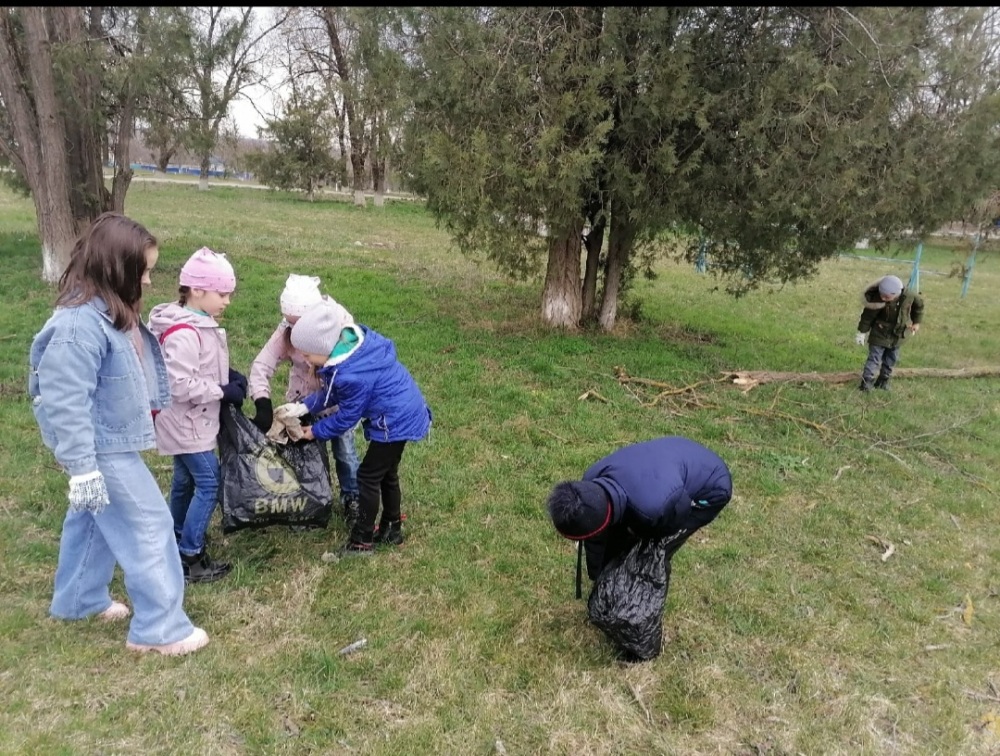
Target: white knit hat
(301, 293)
(318, 329)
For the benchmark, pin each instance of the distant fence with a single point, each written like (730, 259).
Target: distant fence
(188, 170)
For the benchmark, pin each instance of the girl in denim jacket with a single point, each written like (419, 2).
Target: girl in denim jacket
(197, 357)
(300, 293)
(96, 375)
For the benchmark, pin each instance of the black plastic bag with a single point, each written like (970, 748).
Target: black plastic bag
(628, 598)
(270, 484)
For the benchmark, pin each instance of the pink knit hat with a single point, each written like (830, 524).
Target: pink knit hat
(209, 271)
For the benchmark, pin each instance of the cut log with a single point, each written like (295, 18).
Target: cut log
(748, 379)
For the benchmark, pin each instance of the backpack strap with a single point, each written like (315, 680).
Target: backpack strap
(163, 337)
(579, 569)
(177, 327)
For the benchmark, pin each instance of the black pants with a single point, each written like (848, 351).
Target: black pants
(378, 476)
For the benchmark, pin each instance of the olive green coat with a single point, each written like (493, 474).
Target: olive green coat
(887, 322)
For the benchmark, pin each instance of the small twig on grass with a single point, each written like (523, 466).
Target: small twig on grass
(554, 435)
(889, 454)
(674, 392)
(591, 393)
(906, 442)
(976, 696)
(638, 700)
(785, 416)
(889, 547)
(954, 521)
(938, 647)
(840, 472)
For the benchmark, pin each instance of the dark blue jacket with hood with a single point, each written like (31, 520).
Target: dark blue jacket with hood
(660, 486)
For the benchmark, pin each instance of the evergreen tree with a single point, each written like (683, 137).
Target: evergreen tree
(777, 135)
(300, 156)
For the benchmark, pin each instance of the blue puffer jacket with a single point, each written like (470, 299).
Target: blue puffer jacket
(664, 485)
(370, 384)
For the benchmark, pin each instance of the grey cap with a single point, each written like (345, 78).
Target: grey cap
(318, 330)
(890, 286)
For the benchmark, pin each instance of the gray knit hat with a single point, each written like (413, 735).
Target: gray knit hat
(890, 286)
(318, 330)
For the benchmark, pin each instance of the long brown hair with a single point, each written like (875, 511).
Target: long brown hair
(108, 261)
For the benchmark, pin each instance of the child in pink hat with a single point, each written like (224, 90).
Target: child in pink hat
(196, 354)
(300, 293)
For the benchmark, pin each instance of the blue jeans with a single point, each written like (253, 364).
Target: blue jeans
(194, 494)
(346, 462)
(134, 531)
(882, 360)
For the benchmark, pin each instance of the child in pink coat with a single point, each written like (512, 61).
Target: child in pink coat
(197, 358)
(301, 293)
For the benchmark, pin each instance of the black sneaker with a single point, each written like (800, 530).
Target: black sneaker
(864, 386)
(389, 533)
(352, 509)
(356, 548)
(882, 385)
(201, 568)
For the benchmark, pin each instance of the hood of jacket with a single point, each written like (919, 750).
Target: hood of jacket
(168, 314)
(871, 299)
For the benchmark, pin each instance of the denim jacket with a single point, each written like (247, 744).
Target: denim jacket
(89, 392)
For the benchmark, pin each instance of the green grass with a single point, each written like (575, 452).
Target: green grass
(786, 631)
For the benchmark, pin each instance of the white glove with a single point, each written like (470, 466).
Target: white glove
(292, 409)
(860, 338)
(88, 493)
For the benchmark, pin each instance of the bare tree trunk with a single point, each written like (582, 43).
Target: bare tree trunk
(206, 164)
(593, 242)
(163, 158)
(355, 125)
(50, 186)
(123, 146)
(619, 248)
(378, 180)
(59, 141)
(561, 297)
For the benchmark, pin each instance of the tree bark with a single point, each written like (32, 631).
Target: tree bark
(163, 158)
(593, 242)
(50, 186)
(749, 379)
(355, 126)
(562, 301)
(619, 248)
(123, 147)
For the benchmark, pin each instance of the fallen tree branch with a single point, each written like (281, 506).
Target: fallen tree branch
(749, 379)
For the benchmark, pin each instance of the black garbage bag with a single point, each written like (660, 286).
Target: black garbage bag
(627, 600)
(270, 484)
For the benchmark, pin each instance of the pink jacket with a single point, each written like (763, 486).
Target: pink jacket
(302, 378)
(197, 363)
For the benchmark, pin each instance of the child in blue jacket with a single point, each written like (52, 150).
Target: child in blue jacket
(663, 488)
(362, 377)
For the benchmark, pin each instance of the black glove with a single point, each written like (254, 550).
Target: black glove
(234, 392)
(238, 377)
(265, 414)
